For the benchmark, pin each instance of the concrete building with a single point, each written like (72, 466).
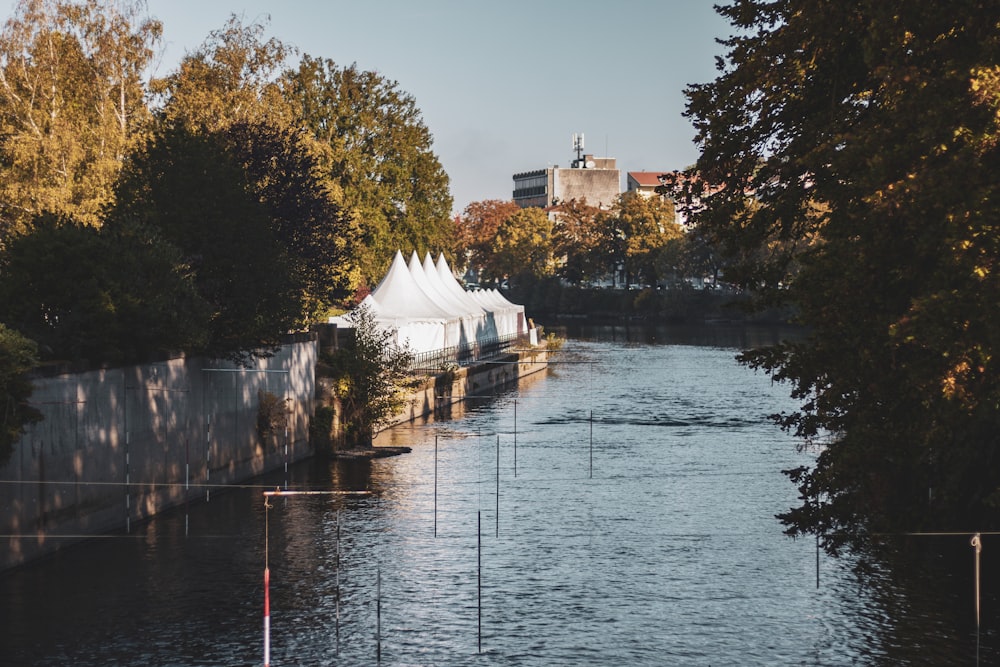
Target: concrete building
(594, 179)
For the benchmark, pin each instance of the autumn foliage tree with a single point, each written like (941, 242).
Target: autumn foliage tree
(849, 153)
(476, 229)
(636, 230)
(523, 247)
(580, 242)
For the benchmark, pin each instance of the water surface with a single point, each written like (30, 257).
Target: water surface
(615, 509)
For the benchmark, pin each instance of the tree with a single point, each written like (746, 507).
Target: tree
(380, 155)
(579, 243)
(72, 103)
(287, 176)
(18, 356)
(369, 377)
(195, 192)
(231, 78)
(523, 247)
(88, 294)
(848, 153)
(476, 228)
(637, 228)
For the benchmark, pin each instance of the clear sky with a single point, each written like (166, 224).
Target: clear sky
(503, 84)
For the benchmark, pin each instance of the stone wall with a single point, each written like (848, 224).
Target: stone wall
(438, 393)
(119, 445)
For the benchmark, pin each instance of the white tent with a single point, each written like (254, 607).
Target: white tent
(486, 327)
(401, 304)
(430, 311)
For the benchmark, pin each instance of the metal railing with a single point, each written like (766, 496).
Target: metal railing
(462, 355)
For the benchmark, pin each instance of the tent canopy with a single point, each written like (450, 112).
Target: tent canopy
(430, 310)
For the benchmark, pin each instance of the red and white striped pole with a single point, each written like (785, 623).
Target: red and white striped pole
(267, 617)
(267, 570)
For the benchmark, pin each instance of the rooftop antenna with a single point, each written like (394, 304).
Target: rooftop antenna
(578, 145)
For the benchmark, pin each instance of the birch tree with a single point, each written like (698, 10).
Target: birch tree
(73, 81)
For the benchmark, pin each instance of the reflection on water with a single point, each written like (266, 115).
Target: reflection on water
(628, 519)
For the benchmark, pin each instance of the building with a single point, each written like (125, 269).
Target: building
(643, 182)
(594, 179)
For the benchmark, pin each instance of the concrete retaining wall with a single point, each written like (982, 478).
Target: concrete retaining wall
(119, 445)
(441, 391)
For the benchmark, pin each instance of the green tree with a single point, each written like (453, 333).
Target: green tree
(72, 103)
(195, 192)
(523, 247)
(369, 378)
(380, 156)
(230, 78)
(637, 229)
(88, 294)
(849, 152)
(18, 356)
(287, 176)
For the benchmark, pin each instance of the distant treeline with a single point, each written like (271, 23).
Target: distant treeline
(549, 299)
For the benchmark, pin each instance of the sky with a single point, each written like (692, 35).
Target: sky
(502, 85)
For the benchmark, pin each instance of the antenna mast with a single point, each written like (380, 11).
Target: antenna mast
(578, 145)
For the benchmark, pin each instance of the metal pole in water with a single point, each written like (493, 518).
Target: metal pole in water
(187, 482)
(498, 486)
(977, 544)
(817, 560)
(479, 576)
(267, 617)
(435, 486)
(337, 586)
(208, 456)
(267, 589)
(515, 437)
(378, 615)
(591, 444)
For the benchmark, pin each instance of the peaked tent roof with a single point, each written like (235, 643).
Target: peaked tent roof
(424, 282)
(399, 297)
(447, 280)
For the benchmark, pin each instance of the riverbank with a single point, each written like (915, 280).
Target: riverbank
(441, 396)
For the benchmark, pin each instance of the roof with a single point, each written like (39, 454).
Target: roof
(646, 179)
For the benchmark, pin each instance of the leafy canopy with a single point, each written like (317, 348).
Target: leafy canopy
(849, 153)
(72, 104)
(18, 356)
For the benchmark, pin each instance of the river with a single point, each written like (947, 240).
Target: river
(616, 509)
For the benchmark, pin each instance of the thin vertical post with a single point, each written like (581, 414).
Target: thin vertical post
(435, 486)
(977, 544)
(817, 560)
(591, 444)
(378, 615)
(187, 482)
(267, 617)
(208, 457)
(498, 486)
(515, 437)
(128, 509)
(479, 577)
(267, 590)
(337, 586)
